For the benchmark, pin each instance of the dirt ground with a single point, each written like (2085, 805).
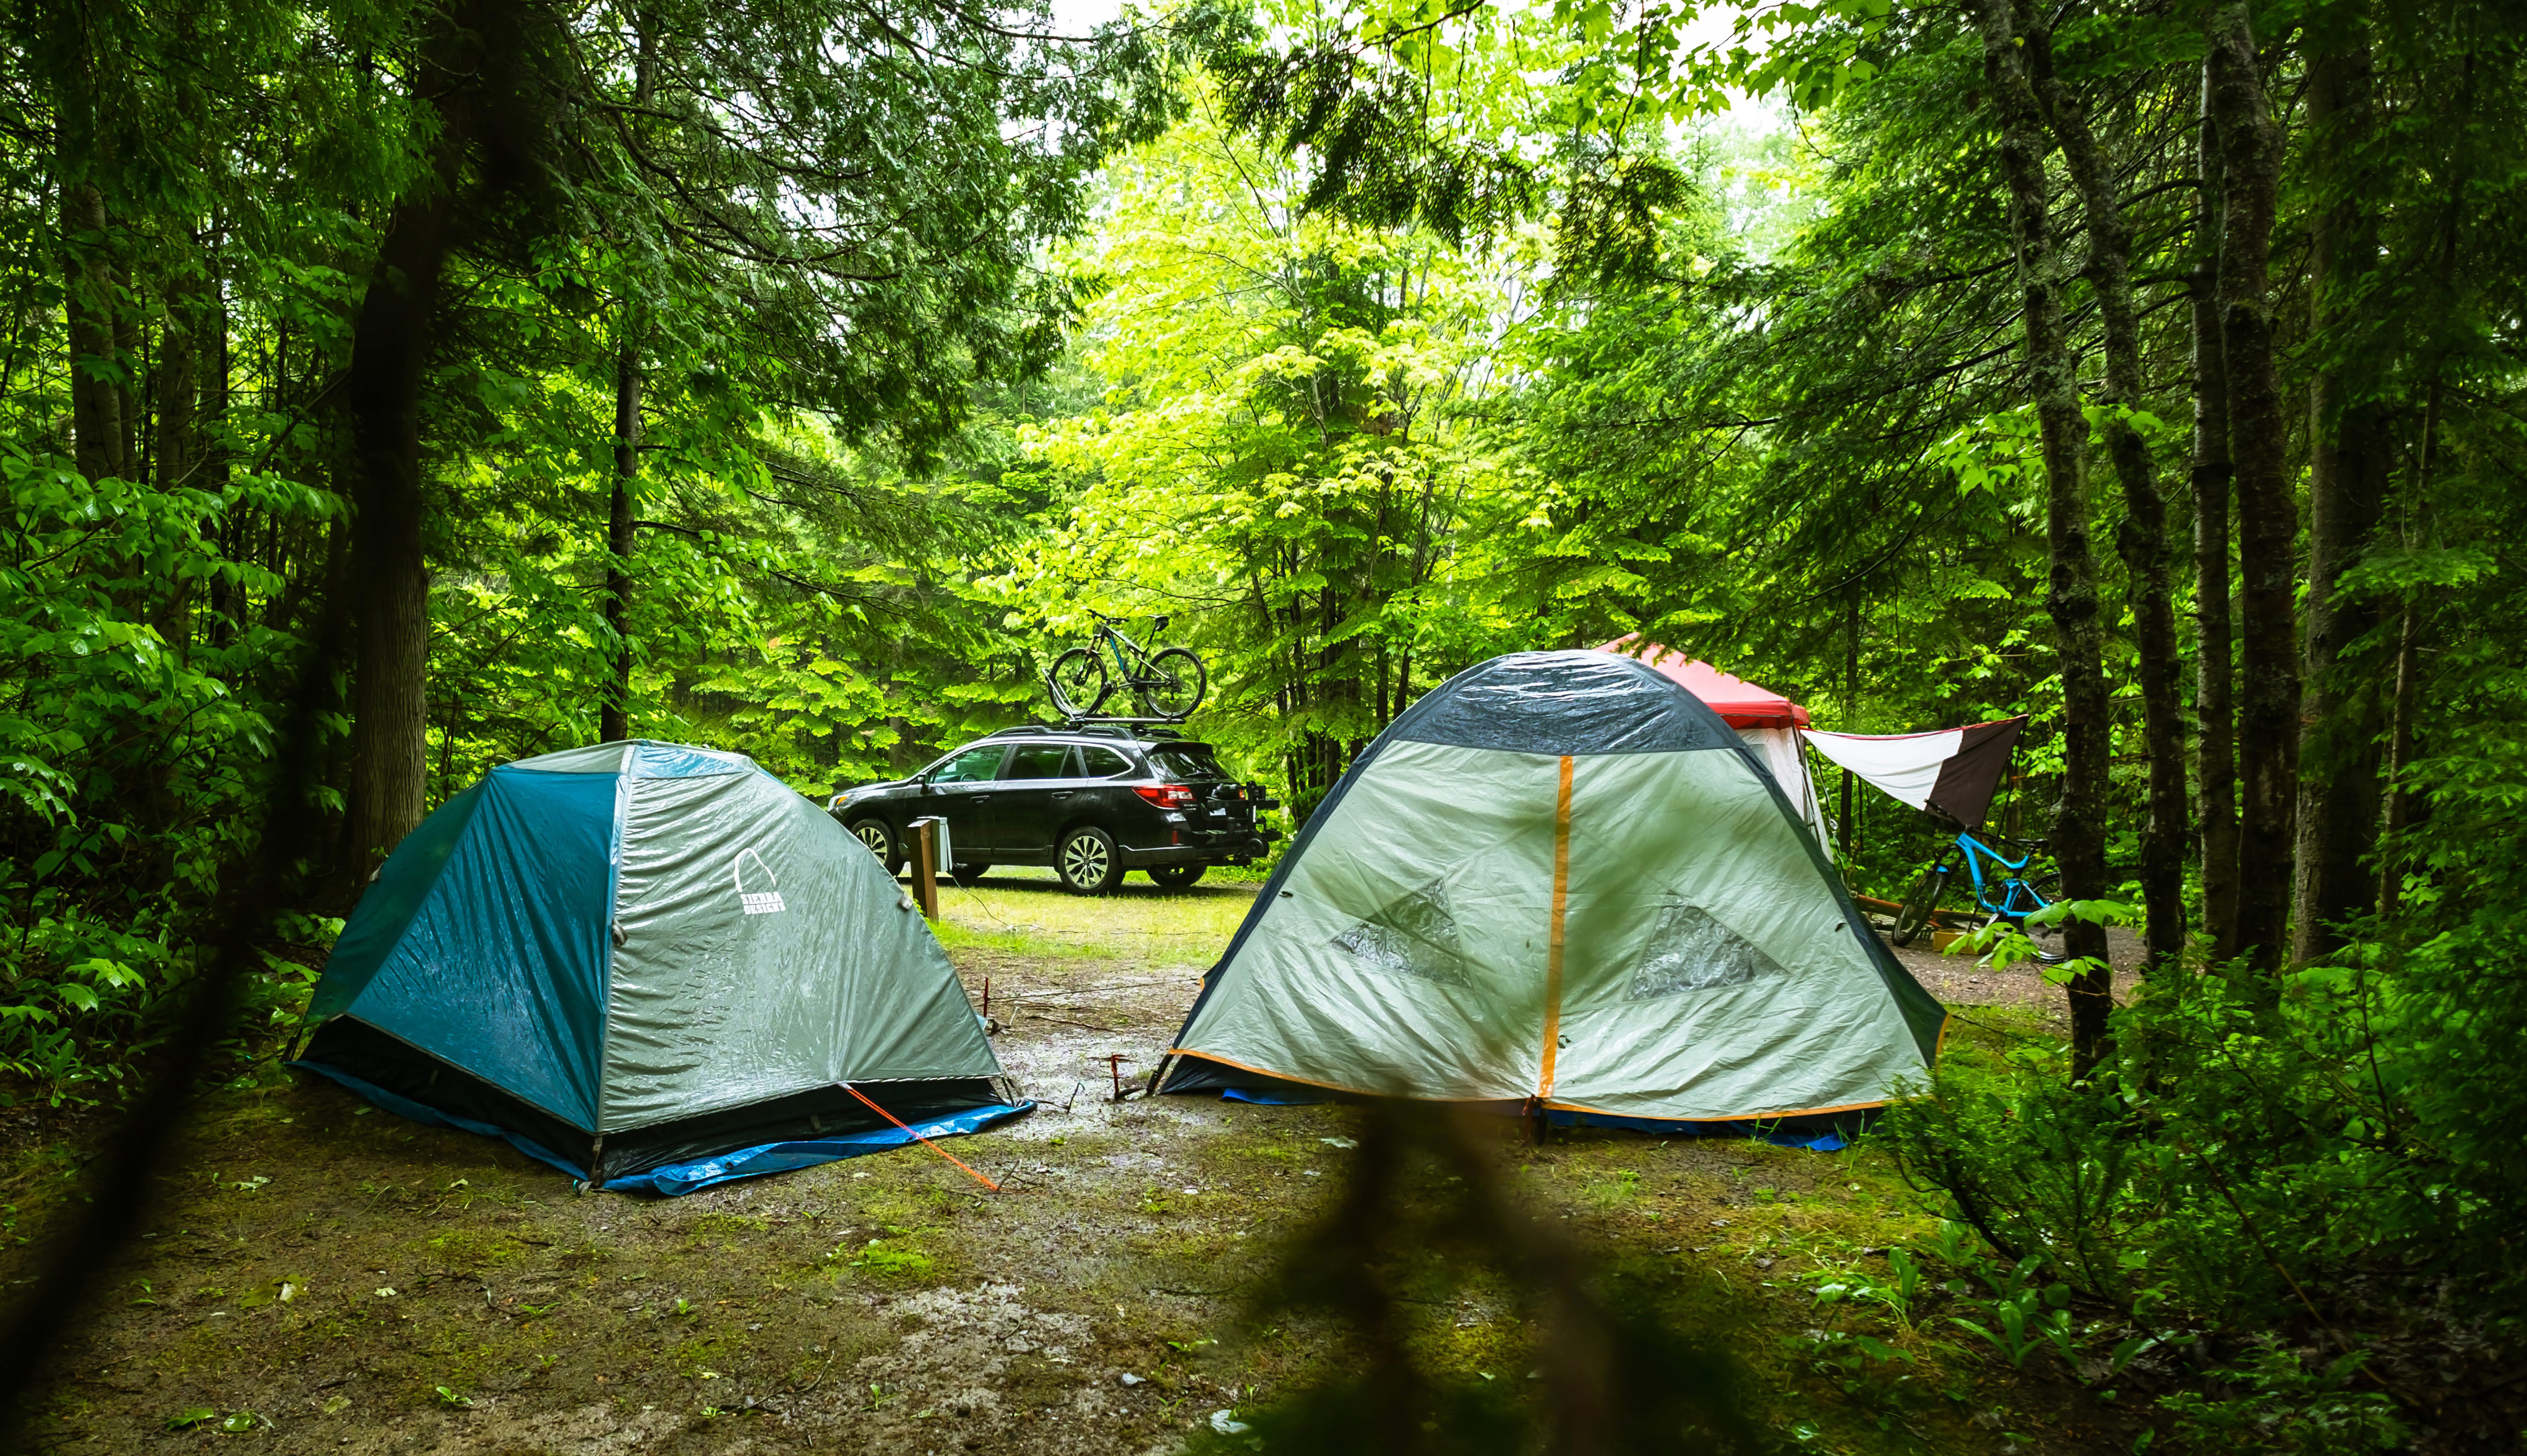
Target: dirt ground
(321, 1278)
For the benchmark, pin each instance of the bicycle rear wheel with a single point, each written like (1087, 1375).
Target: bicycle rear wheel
(1078, 683)
(1914, 915)
(1175, 686)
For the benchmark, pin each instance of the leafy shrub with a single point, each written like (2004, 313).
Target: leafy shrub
(131, 755)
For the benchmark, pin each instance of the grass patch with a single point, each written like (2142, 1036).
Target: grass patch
(1138, 921)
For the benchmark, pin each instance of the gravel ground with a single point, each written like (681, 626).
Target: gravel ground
(1958, 980)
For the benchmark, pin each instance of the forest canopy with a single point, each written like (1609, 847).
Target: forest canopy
(793, 376)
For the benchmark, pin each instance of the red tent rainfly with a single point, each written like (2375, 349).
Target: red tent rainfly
(1739, 704)
(1951, 773)
(1768, 722)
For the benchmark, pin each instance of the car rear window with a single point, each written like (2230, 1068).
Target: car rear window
(1039, 760)
(1101, 763)
(1185, 760)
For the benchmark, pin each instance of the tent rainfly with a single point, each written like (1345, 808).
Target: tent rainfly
(654, 967)
(1561, 878)
(1768, 722)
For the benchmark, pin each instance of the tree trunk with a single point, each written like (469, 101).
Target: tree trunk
(381, 397)
(2142, 540)
(615, 722)
(616, 717)
(179, 437)
(221, 629)
(97, 427)
(2078, 836)
(1843, 829)
(2250, 144)
(2214, 487)
(2338, 791)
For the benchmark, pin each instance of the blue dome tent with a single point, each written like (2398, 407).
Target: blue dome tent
(654, 967)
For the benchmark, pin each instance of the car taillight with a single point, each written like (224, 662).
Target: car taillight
(1165, 795)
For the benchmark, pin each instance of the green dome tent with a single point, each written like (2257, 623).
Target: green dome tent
(1561, 879)
(654, 967)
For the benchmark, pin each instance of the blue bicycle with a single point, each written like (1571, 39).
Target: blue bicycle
(2010, 895)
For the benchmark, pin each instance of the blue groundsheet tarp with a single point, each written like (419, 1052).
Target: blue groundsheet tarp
(684, 1178)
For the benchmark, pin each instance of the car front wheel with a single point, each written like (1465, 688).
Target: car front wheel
(881, 843)
(1086, 861)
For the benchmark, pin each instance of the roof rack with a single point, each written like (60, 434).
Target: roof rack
(1093, 728)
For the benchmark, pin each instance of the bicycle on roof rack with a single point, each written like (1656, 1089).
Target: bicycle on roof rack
(1166, 684)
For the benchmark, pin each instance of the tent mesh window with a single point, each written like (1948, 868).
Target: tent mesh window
(1689, 951)
(1415, 935)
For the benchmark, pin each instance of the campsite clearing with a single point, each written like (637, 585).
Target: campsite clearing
(324, 1277)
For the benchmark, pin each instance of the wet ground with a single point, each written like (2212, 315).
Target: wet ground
(321, 1278)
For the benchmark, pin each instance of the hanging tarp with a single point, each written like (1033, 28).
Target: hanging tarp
(1951, 773)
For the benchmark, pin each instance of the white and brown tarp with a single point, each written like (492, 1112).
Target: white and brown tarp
(1951, 773)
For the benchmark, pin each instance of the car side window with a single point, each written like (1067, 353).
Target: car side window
(972, 765)
(1101, 763)
(1039, 760)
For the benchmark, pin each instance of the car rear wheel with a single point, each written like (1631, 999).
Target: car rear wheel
(968, 874)
(1176, 876)
(1086, 861)
(881, 843)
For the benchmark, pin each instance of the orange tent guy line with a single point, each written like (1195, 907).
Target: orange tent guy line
(917, 1137)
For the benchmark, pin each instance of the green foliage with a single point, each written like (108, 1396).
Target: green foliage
(1282, 458)
(2284, 1407)
(131, 762)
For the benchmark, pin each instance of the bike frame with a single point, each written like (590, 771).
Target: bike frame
(1117, 644)
(2013, 888)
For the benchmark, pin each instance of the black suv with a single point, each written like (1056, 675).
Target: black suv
(1091, 802)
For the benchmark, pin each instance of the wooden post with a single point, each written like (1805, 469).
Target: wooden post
(925, 867)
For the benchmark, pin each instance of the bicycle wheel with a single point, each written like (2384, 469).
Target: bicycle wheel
(1175, 686)
(1078, 683)
(1914, 917)
(2050, 941)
